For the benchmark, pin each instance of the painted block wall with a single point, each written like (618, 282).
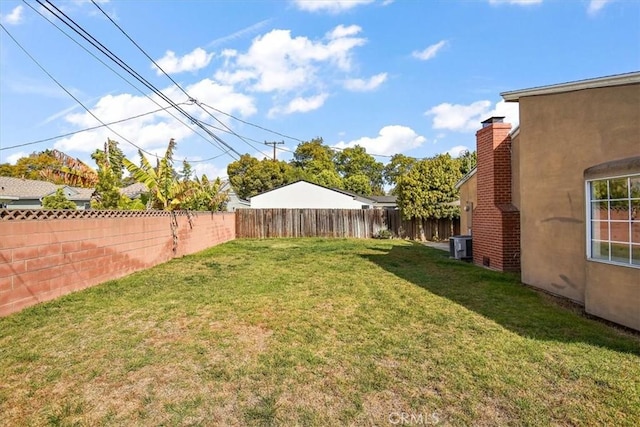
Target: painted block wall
(43, 259)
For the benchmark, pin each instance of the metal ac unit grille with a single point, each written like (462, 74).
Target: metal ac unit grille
(460, 247)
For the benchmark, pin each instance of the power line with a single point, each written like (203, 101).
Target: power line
(54, 10)
(84, 130)
(165, 73)
(69, 93)
(253, 124)
(118, 74)
(280, 134)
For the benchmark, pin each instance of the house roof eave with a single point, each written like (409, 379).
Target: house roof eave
(599, 82)
(466, 178)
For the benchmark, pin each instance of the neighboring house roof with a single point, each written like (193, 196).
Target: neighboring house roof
(388, 201)
(226, 186)
(358, 197)
(78, 194)
(466, 178)
(384, 199)
(19, 188)
(616, 80)
(29, 189)
(134, 190)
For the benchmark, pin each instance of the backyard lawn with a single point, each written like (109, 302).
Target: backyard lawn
(315, 332)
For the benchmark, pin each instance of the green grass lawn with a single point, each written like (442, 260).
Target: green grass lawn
(315, 332)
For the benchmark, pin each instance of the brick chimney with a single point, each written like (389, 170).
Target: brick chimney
(496, 222)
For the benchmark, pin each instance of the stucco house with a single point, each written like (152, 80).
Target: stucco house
(558, 198)
(307, 195)
(19, 193)
(234, 202)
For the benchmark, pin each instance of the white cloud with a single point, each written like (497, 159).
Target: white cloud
(15, 17)
(517, 2)
(467, 118)
(456, 150)
(341, 31)
(204, 168)
(193, 61)
(331, 6)
(596, 5)
(300, 105)
(278, 62)
(362, 85)
(430, 52)
(152, 132)
(13, 158)
(390, 140)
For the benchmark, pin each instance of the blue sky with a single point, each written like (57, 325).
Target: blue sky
(407, 76)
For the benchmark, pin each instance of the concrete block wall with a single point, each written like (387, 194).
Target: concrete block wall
(42, 259)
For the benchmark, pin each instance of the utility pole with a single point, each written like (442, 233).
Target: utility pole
(274, 143)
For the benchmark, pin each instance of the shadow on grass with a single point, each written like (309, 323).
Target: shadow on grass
(502, 298)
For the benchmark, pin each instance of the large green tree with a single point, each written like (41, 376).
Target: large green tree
(428, 189)
(313, 157)
(359, 184)
(397, 166)
(52, 166)
(315, 162)
(355, 161)
(250, 176)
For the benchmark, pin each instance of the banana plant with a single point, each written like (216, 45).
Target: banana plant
(166, 192)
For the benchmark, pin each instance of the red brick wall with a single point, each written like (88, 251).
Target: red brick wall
(41, 259)
(496, 222)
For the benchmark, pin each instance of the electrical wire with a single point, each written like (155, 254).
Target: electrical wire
(169, 77)
(78, 29)
(85, 130)
(116, 73)
(253, 124)
(280, 134)
(70, 94)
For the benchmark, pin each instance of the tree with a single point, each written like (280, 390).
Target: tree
(30, 167)
(467, 161)
(356, 161)
(249, 176)
(328, 178)
(57, 201)
(107, 194)
(398, 166)
(359, 184)
(205, 195)
(52, 166)
(166, 192)
(428, 189)
(313, 157)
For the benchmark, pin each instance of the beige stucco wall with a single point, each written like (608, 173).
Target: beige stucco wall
(611, 295)
(560, 136)
(468, 199)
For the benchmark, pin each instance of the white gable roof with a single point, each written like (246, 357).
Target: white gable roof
(306, 195)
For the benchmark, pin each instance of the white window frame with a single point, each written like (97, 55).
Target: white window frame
(589, 222)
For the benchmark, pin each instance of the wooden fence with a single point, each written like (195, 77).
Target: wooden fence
(357, 223)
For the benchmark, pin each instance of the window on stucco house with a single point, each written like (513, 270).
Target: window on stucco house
(613, 212)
